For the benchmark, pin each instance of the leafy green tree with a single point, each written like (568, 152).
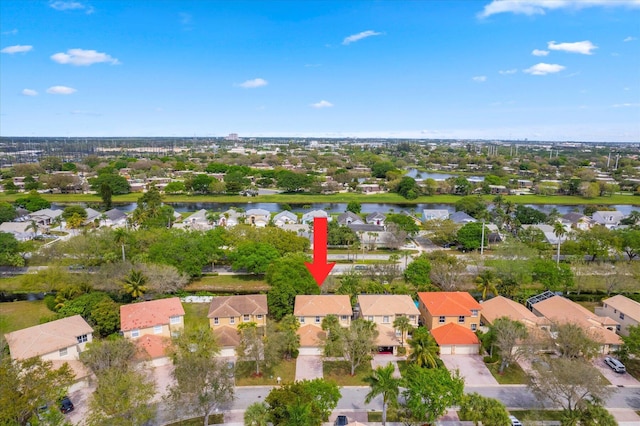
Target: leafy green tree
(470, 236)
(632, 340)
(253, 257)
(102, 355)
(28, 384)
(404, 222)
(380, 169)
(333, 340)
(477, 408)
(446, 270)
(354, 207)
(429, 392)
(116, 183)
(175, 187)
(202, 383)
(402, 324)
(573, 342)
(381, 381)
(288, 277)
(357, 342)
(462, 186)
(97, 308)
(251, 345)
(10, 250)
(7, 212)
(424, 349)
(257, 414)
(293, 181)
(303, 403)
(288, 328)
(106, 193)
(150, 212)
(595, 242)
(552, 276)
(408, 188)
(472, 205)
(199, 183)
(529, 215)
(32, 202)
(507, 335)
(418, 272)
(187, 251)
(75, 209)
(487, 282)
(135, 284)
(629, 241)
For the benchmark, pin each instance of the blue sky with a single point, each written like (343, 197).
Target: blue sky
(486, 69)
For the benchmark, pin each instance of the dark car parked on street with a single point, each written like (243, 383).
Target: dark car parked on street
(66, 406)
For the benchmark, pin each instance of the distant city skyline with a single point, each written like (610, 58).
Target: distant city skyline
(484, 69)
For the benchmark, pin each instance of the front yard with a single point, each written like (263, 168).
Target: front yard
(512, 375)
(340, 372)
(245, 370)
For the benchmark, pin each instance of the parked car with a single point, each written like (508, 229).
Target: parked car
(341, 421)
(66, 406)
(515, 421)
(615, 365)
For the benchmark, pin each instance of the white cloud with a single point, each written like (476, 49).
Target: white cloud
(479, 78)
(29, 92)
(81, 57)
(252, 84)
(539, 52)
(544, 69)
(356, 37)
(61, 90)
(540, 7)
(16, 49)
(70, 5)
(582, 47)
(626, 105)
(10, 32)
(507, 72)
(322, 104)
(629, 39)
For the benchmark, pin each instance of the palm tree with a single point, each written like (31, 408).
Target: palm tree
(135, 284)
(424, 349)
(559, 231)
(119, 237)
(487, 282)
(257, 414)
(381, 381)
(33, 226)
(403, 324)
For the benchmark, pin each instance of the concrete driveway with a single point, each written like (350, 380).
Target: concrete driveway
(616, 379)
(381, 360)
(309, 367)
(471, 368)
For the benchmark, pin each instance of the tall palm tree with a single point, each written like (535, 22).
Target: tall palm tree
(120, 237)
(424, 349)
(486, 283)
(382, 382)
(560, 231)
(33, 226)
(135, 284)
(403, 324)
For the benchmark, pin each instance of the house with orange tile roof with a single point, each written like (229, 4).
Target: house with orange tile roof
(153, 348)
(226, 312)
(454, 339)
(383, 309)
(623, 310)
(558, 309)
(439, 308)
(60, 341)
(311, 310)
(162, 317)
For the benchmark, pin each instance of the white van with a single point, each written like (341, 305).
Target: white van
(615, 365)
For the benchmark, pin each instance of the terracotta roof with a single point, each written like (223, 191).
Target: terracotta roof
(227, 336)
(311, 335)
(153, 345)
(449, 303)
(233, 306)
(46, 338)
(627, 306)
(322, 305)
(387, 336)
(560, 309)
(386, 304)
(500, 306)
(454, 334)
(149, 314)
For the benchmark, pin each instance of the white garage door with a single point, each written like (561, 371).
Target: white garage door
(310, 351)
(445, 350)
(464, 350)
(228, 352)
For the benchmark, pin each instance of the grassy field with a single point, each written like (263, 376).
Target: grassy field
(18, 315)
(340, 372)
(11, 284)
(334, 198)
(376, 416)
(512, 375)
(195, 315)
(536, 415)
(229, 283)
(286, 370)
(214, 419)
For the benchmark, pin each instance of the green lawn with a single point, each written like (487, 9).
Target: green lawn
(633, 367)
(376, 416)
(229, 283)
(195, 315)
(286, 370)
(512, 375)
(536, 415)
(18, 315)
(340, 372)
(214, 419)
(12, 284)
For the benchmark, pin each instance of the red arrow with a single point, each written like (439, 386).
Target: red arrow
(319, 268)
